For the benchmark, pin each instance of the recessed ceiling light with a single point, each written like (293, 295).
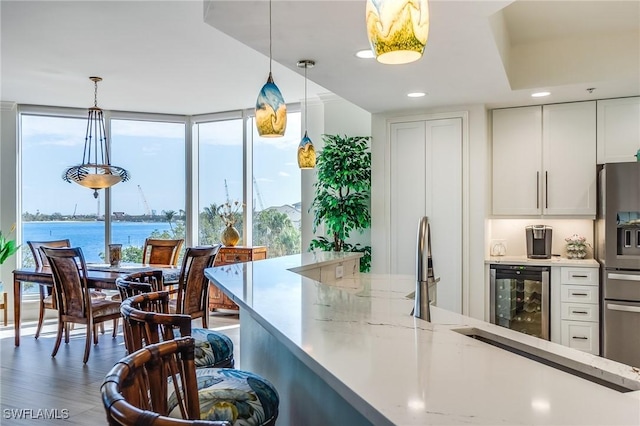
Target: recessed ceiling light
(540, 94)
(416, 94)
(365, 54)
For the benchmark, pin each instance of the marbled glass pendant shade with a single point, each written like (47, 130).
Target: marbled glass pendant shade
(306, 153)
(271, 110)
(397, 29)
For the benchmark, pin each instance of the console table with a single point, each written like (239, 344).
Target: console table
(230, 256)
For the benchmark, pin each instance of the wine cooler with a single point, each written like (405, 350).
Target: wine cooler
(519, 298)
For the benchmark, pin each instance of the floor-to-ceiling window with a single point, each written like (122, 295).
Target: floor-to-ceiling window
(152, 202)
(52, 208)
(220, 175)
(276, 189)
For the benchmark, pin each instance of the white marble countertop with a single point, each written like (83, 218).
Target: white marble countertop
(554, 261)
(360, 333)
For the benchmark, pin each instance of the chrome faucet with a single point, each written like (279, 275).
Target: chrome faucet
(424, 273)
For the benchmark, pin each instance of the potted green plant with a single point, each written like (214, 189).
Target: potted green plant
(7, 247)
(342, 194)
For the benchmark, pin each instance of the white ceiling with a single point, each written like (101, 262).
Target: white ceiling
(193, 57)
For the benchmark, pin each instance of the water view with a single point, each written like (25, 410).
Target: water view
(90, 235)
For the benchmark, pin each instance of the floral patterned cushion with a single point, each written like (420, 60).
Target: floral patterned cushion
(240, 397)
(213, 348)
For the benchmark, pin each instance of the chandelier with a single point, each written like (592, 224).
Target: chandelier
(95, 171)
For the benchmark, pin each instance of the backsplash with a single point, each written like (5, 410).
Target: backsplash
(512, 235)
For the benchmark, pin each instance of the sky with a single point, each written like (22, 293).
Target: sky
(154, 155)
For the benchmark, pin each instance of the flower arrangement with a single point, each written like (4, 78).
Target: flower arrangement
(230, 212)
(576, 247)
(7, 247)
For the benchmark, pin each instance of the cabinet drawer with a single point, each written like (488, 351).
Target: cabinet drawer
(579, 293)
(234, 257)
(579, 312)
(581, 335)
(582, 276)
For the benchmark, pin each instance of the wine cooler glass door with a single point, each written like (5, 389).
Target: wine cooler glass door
(520, 299)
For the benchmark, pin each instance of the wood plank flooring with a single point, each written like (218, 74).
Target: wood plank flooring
(36, 389)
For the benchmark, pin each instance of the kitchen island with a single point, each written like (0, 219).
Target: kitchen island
(350, 353)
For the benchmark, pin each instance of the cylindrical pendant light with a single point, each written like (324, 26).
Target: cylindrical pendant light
(306, 151)
(271, 110)
(397, 29)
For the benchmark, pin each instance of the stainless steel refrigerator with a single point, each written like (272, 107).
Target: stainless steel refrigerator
(618, 251)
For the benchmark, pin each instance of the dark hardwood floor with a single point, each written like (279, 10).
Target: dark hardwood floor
(36, 389)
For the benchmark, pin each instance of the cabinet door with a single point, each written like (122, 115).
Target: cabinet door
(517, 160)
(426, 180)
(618, 130)
(569, 159)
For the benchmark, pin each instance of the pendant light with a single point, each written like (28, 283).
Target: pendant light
(397, 29)
(306, 151)
(96, 171)
(271, 110)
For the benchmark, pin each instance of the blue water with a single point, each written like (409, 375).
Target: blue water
(90, 235)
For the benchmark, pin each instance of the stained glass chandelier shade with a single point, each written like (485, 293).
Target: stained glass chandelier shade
(397, 29)
(95, 171)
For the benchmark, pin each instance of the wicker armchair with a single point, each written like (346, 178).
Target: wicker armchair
(137, 389)
(240, 397)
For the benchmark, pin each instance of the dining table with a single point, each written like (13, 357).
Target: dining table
(99, 276)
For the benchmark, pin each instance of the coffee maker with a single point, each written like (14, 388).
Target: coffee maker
(539, 241)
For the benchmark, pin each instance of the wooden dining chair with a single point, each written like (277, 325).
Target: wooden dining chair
(47, 300)
(158, 251)
(193, 286)
(73, 297)
(137, 390)
(240, 397)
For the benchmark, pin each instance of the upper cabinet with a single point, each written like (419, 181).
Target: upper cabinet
(544, 160)
(618, 130)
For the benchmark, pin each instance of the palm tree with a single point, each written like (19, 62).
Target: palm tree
(168, 215)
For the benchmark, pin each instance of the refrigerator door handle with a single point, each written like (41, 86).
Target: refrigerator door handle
(626, 277)
(623, 308)
(545, 305)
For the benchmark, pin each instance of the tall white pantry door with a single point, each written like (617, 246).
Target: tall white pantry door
(426, 180)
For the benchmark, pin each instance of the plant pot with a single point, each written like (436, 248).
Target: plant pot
(230, 236)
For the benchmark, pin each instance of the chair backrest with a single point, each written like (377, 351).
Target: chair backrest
(136, 390)
(139, 282)
(69, 281)
(193, 287)
(39, 258)
(161, 252)
(147, 321)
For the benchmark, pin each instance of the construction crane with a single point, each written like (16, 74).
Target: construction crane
(255, 185)
(144, 200)
(226, 190)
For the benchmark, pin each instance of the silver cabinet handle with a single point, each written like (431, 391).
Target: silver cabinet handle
(537, 190)
(628, 277)
(623, 308)
(579, 276)
(546, 190)
(579, 294)
(580, 312)
(580, 338)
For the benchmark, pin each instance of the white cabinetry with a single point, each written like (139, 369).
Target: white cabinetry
(544, 160)
(425, 162)
(618, 130)
(579, 317)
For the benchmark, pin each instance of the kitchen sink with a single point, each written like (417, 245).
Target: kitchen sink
(576, 368)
